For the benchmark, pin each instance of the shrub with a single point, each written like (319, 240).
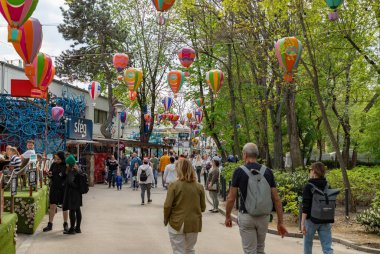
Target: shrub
(370, 218)
(289, 200)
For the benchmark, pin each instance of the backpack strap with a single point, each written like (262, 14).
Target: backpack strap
(249, 172)
(263, 169)
(315, 188)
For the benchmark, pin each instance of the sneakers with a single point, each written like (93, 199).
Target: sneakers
(149, 201)
(142, 203)
(49, 227)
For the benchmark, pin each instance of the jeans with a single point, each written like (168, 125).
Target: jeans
(155, 175)
(324, 233)
(199, 170)
(215, 200)
(124, 175)
(145, 186)
(75, 218)
(253, 231)
(205, 175)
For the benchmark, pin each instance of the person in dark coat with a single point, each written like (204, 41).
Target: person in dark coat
(73, 198)
(57, 175)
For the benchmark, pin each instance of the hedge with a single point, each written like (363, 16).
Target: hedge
(7, 234)
(30, 210)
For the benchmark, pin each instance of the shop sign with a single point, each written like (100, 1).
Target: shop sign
(79, 128)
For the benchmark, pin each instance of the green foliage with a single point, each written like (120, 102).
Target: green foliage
(364, 180)
(370, 218)
(229, 169)
(289, 200)
(294, 181)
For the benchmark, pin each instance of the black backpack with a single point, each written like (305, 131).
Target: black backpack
(83, 183)
(323, 204)
(143, 176)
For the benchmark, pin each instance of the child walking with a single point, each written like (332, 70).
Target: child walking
(119, 180)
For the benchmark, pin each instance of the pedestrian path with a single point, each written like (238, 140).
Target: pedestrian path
(114, 222)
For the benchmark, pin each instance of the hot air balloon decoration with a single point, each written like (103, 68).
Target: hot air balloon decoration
(198, 115)
(132, 95)
(41, 72)
(334, 4)
(169, 117)
(164, 116)
(175, 118)
(30, 43)
(159, 117)
(288, 51)
(123, 116)
(162, 6)
(175, 80)
(182, 122)
(189, 116)
(196, 132)
(167, 102)
(16, 13)
(120, 78)
(214, 79)
(57, 114)
(94, 89)
(120, 61)
(133, 78)
(186, 56)
(199, 102)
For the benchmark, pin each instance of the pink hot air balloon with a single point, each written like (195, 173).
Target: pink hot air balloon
(57, 113)
(186, 56)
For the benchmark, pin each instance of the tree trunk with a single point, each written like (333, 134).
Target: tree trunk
(277, 162)
(233, 103)
(294, 143)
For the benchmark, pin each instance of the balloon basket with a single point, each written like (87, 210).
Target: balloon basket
(14, 35)
(161, 20)
(333, 16)
(288, 78)
(187, 74)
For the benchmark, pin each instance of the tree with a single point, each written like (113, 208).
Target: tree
(91, 25)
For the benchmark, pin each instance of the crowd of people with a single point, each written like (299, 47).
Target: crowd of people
(185, 200)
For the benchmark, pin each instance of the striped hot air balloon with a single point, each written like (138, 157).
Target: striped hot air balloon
(94, 89)
(198, 114)
(41, 72)
(175, 118)
(133, 78)
(120, 61)
(175, 80)
(288, 51)
(186, 56)
(16, 13)
(167, 102)
(123, 116)
(163, 5)
(30, 43)
(57, 113)
(214, 79)
(199, 102)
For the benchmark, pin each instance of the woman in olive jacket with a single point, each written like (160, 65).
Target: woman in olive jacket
(73, 198)
(184, 204)
(57, 175)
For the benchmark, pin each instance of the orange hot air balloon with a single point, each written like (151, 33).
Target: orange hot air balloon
(288, 51)
(120, 61)
(189, 116)
(132, 95)
(30, 42)
(214, 79)
(175, 118)
(133, 78)
(175, 80)
(163, 5)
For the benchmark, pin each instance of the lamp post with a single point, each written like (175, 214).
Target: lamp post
(119, 107)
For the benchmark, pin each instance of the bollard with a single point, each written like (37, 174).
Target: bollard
(346, 201)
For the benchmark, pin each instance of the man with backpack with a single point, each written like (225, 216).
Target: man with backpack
(258, 193)
(145, 177)
(318, 209)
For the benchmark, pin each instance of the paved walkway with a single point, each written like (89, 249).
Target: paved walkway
(114, 222)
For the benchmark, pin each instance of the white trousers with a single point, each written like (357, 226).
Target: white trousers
(182, 243)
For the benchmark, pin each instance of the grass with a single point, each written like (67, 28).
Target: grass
(7, 232)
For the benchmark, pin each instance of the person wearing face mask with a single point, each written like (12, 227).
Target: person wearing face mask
(57, 176)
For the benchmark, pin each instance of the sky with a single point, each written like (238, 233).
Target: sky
(49, 14)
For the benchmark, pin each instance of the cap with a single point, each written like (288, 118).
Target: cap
(216, 158)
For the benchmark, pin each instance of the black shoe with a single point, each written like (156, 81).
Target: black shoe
(65, 227)
(142, 203)
(49, 227)
(215, 211)
(149, 201)
(211, 210)
(77, 230)
(71, 231)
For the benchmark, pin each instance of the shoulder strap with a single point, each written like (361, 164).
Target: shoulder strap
(247, 171)
(263, 169)
(315, 188)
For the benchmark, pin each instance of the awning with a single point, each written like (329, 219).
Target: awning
(79, 142)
